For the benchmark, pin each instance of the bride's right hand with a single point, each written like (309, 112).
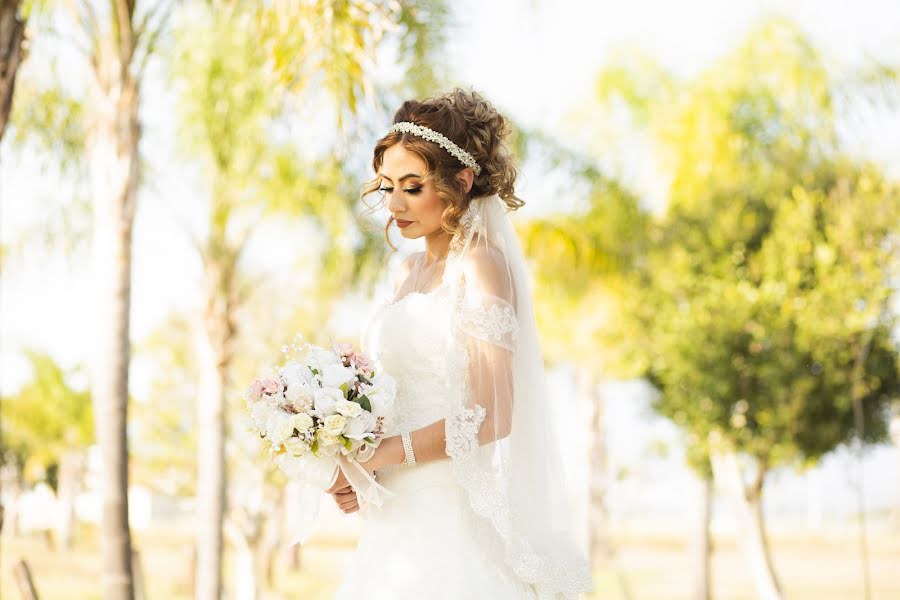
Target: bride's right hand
(346, 500)
(344, 495)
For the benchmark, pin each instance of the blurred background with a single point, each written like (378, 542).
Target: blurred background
(712, 217)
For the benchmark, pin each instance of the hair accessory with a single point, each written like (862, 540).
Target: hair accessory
(438, 138)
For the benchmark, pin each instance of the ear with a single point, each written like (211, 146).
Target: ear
(467, 176)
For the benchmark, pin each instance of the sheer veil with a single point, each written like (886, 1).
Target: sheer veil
(499, 431)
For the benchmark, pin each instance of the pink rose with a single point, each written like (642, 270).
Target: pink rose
(271, 385)
(345, 350)
(364, 363)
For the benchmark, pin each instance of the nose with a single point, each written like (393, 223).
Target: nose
(395, 204)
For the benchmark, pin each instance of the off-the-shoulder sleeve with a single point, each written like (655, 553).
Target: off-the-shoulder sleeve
(486, 333)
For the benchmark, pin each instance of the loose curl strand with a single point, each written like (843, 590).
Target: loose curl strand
(471, 122)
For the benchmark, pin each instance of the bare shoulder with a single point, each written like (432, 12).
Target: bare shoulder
(486, 267)
(485, 260)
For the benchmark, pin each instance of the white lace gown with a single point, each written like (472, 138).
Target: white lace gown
(425, 541)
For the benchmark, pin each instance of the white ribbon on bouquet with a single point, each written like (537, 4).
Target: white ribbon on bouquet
(315, 475)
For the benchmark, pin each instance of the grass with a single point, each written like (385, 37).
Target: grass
(652, 566)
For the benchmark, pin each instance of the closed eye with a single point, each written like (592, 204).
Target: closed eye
(387, 190)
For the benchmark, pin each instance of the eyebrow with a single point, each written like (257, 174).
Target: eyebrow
(407, 176)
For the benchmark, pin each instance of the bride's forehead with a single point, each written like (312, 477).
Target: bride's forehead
(397, 160)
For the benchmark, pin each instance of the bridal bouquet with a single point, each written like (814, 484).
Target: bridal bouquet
(323, 412)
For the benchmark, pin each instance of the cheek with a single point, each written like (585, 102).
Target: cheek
(433, 207)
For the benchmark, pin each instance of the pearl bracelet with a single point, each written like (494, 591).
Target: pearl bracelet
(410, 458)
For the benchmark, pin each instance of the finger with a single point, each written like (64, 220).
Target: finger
(341, 498)
(348, 502)
(350, 507)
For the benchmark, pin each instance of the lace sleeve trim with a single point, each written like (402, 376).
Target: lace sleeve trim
(496, 323)
(462, 430)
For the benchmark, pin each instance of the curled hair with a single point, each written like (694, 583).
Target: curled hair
(472, 123)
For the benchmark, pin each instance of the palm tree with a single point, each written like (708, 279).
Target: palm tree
(237, 85)
(120, 45)
(12, 53)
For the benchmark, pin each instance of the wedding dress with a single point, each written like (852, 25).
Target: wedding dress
(488, 520)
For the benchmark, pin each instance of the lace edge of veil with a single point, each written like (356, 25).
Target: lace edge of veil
(551, 575)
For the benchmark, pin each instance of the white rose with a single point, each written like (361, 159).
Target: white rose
(304, 373)
(382, 393)
(326, 400)
(299, 396)
(259, 413)
(360, 426)
(334, 424)
(295, 446)
(303, 421)
(337, 375)
(279, 426)
(322, 357)
(348, 408)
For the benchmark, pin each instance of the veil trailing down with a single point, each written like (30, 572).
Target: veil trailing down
(499, 428)
(490, 519)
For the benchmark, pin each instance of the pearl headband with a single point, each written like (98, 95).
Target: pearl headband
(438, 138)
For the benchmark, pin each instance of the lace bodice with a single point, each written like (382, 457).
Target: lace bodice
(411, 338)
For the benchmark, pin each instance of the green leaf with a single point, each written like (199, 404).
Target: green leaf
(364, 402)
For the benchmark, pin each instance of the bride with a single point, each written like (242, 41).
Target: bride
(477, 506)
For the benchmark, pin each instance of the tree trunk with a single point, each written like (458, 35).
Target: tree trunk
(12, 52)
(702, 543)
(601, 548)
(597, 525)
(246, 580)
(895, 437)
(24, 581)
(210, 482)
(70, 465)
(113, 137)
(747, 507)
(11, 484)
(217, 353)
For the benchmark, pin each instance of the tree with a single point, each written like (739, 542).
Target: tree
(257, 73)
(116, 41)
(598, 244)
(761, 313)
(47, 426)
(12, 53)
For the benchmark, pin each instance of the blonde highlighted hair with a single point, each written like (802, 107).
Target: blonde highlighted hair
(471, 122)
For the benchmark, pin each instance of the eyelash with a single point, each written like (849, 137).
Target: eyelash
(409, 191)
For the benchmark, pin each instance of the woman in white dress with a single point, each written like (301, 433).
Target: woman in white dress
(477, 506)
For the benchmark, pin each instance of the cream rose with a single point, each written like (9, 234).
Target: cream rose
(334, 424)
(348, 408)
(303, 422)
(295, 446)
(327, 439)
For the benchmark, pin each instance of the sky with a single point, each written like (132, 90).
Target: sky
(536, 60)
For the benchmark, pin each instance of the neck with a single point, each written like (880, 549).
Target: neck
(437, 246)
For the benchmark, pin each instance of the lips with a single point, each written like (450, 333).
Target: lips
(402, 223)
